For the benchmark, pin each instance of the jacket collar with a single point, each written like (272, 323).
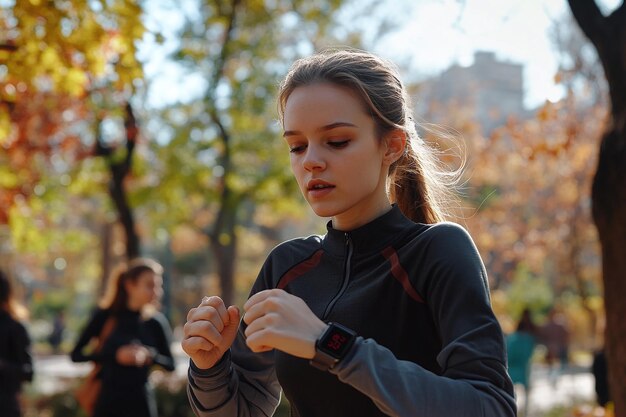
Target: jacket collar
(371, 237)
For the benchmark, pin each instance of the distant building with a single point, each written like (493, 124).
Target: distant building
(492, 89)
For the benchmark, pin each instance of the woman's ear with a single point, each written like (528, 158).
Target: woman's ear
(395, 145)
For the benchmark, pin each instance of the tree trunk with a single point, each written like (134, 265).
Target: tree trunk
(119, 171)
(609, 212)
(124, 211)
(106, 255)
(608, 35)
(222, 236)
(224, 243)
(224, 253)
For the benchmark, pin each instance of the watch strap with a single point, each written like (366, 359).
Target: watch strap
(323, 361)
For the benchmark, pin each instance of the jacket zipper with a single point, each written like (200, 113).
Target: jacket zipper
(346, 277)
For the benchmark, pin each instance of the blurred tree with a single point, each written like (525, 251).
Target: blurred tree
(581, 73)
(528, 187)
(529, 209)
(57, 61)
(608, 35)
(224, 156)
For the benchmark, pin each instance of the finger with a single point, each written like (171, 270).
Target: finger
(263, 305)
(260, 349)
(196, 344)
(208, 313)
(234, 315)
(218, 304)
(255, 312)
(260, 341)
(261, 296)
(202, 328)
(267, 321)
(190, 313)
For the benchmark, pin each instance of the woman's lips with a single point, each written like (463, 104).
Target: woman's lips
(319, 188)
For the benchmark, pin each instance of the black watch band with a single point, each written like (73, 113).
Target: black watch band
(332, 346)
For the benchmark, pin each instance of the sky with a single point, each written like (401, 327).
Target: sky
(439, 33)
(427, 37)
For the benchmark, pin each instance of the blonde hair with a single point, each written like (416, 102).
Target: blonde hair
(116, 297)
(420, 186)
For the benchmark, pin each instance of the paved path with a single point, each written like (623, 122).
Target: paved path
(574, 385)
(54, 373)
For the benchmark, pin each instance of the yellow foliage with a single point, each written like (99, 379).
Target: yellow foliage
(75, 81)
(69, 43)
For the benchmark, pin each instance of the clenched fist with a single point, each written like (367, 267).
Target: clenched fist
(210, 331)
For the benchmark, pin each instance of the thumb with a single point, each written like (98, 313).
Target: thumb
(233, 324)
(233, 315)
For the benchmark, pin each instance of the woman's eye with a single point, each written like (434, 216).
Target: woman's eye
(339, 143)
(297, 149)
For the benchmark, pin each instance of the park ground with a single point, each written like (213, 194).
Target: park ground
(572, 385)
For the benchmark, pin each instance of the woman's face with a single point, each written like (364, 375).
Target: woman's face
(147, 289)
(338, 161)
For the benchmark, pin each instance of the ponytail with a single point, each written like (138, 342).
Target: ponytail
(421, 187)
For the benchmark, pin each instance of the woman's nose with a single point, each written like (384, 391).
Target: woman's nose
(313, 159)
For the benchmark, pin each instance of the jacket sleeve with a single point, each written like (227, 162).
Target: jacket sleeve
(20, 369)
(91, 330)
(162, 354)
(474, 380)
(242, 383)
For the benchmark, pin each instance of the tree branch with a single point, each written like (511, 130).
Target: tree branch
(590, 20)
(219, 63)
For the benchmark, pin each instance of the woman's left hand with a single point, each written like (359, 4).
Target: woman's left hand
(133, 355)
(279, 320)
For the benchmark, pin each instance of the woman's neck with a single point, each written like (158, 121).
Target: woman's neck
(353, 220)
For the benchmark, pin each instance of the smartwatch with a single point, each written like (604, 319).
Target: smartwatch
(332, 346)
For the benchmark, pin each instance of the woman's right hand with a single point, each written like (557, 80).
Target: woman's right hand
(210, 331)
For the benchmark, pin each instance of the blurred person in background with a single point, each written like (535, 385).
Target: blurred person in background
(55, 338)
(16, 365)
(599, 368)
(140, 338)
(601, 377)
(554, 334)
(520, 346)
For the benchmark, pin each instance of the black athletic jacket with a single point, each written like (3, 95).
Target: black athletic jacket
(429, 344)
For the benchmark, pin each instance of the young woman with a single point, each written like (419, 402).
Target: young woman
(16, 365)
(140, 337)
(388, 313)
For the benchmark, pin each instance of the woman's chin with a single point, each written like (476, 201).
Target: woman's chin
(323, 211)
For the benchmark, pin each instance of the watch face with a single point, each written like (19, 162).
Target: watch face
(336, 342)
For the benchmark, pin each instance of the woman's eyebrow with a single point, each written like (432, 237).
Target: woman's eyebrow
(321, 129)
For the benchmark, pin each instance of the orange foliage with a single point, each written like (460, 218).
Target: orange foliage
(527, 195)
(42, 124)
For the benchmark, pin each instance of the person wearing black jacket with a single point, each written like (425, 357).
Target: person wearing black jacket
(140, 338)
(16, 364)
(388, 313)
